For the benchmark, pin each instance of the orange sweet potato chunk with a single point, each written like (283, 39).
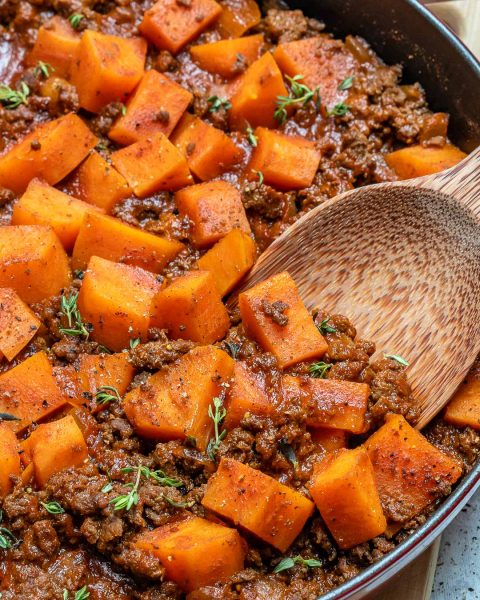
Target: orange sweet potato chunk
(237, 17)
(254, 101)
(156, 106)
(170, 25)
(294, 339)
(191, 308)
(116, 299)
(42, 204)
(152, 165)
(258, 503)
(228, 58)
(173, 403)
(247, 394)
(29, 392)
(10, 462)
(98, 183)
(110, 238)
(286, 162)
(18, 324)
(107, 68)
(229, 260)
(415, 161)
(409, 471)
(56, 446)
(183, 545)
(58, 147)
(331, 403)
(323, 62)
(214, 208)
(329, 439)
(32, 262)
(464, 408)
(343, 488)
(56, 44)
(209, 151)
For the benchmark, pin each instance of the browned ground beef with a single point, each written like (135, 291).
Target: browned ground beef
(89, 543)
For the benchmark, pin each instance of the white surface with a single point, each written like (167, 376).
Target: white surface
(458, 568)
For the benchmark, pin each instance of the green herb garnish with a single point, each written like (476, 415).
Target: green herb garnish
(339, 110)
(159, 476)
(134, 343)
(106, 394)
(217, 414)
(251, 137)
(44, 69)
(9, 417)
(288, 563)
(324, 327)
(53, 508)
(123, 110)
(81, 594)
(299, 94)
(76, 326)
(13, 98)
(319, 369)
(178, 504)
(260, 177)
(217, 103)
(397, 359)
(346, 84)
(75, 20)
(232, 349)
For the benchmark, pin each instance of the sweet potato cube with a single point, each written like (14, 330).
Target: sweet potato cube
(323, 62)
(173, 403)
(291, 335)
(464, 408)
(32, 262)
(18, 324)
(286, 162)
(330, 403)
(56, 44)
(107, 68)
(258, 503)
(238, 18)
(409, 471)
(152, 165)
(170, 25)
(156, 106)
(116, 299)
(29, 392)
(255, 99)
(209, 151)
(10, 463)
(415, 161)
(42, 204)
(50, 152)
(329, 439)
(247, 394)
(191, 309)
(183, 545)
(56, 446)
(344, 490)
(98, 183)
(215, 208)
(104, 236)
(228, 57)
(229, 260)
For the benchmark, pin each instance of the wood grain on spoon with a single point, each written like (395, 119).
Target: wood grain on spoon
(402, 260)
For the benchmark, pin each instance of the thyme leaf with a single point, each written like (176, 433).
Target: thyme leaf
(346, 84)
(260, 177)
(11, 98)
(75, 20)
(54, 508)
(217, 103)
(44, 69)
(217, 414)
(339, 110)
(324, 327)
(134, 343)
(233, 349)
(288, 563)
(319, 369)
(399, 359)
(251, 137)
(178, 504)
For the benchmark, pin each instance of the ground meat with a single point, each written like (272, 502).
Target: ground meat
(276, 311)
(102, 123)
(289, 25)
(156, 354)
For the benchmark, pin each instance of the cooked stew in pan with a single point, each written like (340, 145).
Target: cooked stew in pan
(153, 444)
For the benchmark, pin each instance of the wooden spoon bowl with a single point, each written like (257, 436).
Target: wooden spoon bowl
(402, 260)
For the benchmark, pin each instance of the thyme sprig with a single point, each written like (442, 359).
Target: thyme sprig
(53, 507)
(11, 98)
(106, 394)
(288, 563)
(319, 369)
(324, 327)
(300, 94)
(217, 103)
(217, 414)
(159, 476)
(76, 326)
(178, 504)
(346, 84)
(44, 69)
(339, 110)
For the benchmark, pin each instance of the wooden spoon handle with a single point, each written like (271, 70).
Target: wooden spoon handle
(461, 181)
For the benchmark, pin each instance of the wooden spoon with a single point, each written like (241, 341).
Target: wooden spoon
(402, 260)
